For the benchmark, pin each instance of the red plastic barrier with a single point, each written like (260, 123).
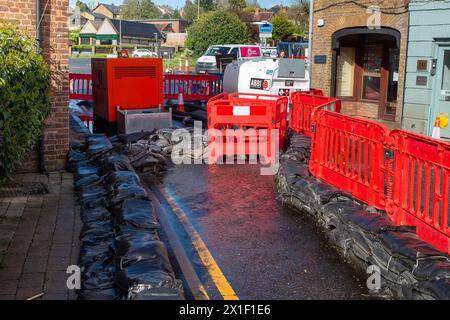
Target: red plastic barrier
(88, 121)
(193, 87)
(80, 86)
(303, 106)
(348, 153)
(420, 186)
(236, 114)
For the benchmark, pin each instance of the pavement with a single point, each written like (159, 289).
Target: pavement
(39, 239)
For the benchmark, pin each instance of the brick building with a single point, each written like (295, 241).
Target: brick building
(54, 44)
(363, 66)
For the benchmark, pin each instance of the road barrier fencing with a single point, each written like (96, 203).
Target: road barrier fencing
(193, 87)
(246, 124)
(80, 86)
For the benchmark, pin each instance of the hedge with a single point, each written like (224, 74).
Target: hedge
(24, 96)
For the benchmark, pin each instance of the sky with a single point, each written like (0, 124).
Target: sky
(180, 3)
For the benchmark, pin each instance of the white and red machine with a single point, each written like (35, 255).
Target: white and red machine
(267, 76)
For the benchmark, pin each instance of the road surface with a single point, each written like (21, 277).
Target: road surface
(263, 250)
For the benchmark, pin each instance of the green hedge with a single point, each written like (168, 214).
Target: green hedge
(24, 99)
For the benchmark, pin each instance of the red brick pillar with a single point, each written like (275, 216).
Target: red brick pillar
(55, 49)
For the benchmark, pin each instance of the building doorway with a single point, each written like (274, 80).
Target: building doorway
(366, 72)
(441, 88)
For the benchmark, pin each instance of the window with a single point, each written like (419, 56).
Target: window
(346, 72)
(235, 52)
(373, 57)
(85, 40)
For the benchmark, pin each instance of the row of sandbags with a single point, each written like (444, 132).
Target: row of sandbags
(409, 267)
(121, 254)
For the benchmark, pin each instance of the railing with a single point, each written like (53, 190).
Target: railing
(192, 87)
(348, 153)
(420, 186)
(80, 86)
(303, 106)
(403, 173)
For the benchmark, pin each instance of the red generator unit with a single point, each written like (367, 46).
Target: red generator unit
(125, 83)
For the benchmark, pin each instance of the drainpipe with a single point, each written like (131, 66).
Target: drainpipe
(41, 146)
(311, 21)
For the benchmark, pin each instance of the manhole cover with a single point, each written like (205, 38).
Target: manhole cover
(14, 189)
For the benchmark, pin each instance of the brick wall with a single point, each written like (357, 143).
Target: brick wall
(54, 33)
(349, 15)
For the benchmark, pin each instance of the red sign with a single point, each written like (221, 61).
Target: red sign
(250, 52)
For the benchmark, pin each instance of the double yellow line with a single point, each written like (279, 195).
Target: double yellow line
(216, 274)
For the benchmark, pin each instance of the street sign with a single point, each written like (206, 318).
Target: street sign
(265, 28)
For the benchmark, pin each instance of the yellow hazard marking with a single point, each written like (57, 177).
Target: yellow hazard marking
(206, 257)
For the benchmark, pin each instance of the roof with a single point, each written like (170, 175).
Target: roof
(136, 29)
(111, 7)
(257, 16)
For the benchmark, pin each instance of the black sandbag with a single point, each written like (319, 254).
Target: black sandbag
(134, 137)
(86, 170)
(407, 247)
(100, 252)
(115, 177)
(101, 232)
(293, 170)
(94, 195)
(103, 294)
(98, 276)
(137, 213)
(95, 214)
(146, 292)
(73, 158)
(153, 250)
(123, 191)
(116, 162)
(98, 145)
(87, 182)
(432, 268)
(133, 240)
(149, 272)
(438, 289)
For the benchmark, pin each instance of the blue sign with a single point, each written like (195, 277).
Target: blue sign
(265, 28)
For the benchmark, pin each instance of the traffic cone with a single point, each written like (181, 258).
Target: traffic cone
(186, 66)
(180, 104)
(437, 129)
(180, 66)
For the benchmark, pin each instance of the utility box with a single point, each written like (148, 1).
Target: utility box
(128, 83)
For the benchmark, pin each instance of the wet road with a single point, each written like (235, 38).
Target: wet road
(264, 250)
(81, 65)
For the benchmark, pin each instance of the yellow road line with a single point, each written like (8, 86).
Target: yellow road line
(206, 257)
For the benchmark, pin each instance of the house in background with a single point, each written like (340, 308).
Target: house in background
(78, 19)
(253, 19)
(110, 11)
(177, 25)
(363, 66)
(116, 32)
(427, 86)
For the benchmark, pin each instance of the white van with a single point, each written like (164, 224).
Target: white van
(207, 62)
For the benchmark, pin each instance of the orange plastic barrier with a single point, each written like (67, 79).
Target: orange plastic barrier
(348, 153)
(80, 86)
(303, 106)
(244, 124)
(193, 87)
(420, 186)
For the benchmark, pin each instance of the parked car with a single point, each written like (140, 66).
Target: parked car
(270, 52)
(141, 53)
(207, 62)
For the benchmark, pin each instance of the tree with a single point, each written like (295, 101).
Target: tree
(190, 11)
(24, 96)
(299, 12)
(216, 27)
(176, 14)
(131, 9)
(82, 6)
(149, 10)
(206, 5)
(139, 9)
(237, 4)
(282, 27)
